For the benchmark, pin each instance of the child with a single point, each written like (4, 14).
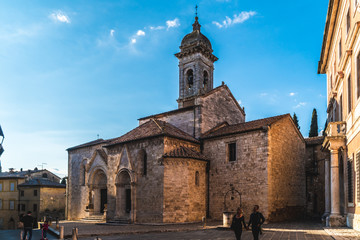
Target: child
(45, 229)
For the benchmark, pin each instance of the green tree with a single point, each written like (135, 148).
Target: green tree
(314, 125)
(63, 181)
(296, 121)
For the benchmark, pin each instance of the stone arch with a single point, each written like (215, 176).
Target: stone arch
(124, 191)
(189, 78)
(205, 79)
(97, 190)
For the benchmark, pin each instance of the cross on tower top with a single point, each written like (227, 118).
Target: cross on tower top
(196, 7)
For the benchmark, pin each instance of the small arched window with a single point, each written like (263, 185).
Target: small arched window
(206, 79)
(82, 175)
(44, 175)
(190, 78)
(197, 178)
(145, 164)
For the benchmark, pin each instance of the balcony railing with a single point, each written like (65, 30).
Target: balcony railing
(336, 129)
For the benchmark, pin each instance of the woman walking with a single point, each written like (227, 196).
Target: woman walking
(237, 223)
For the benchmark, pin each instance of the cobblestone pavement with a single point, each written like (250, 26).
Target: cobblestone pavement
(15, 235)
(279, 231)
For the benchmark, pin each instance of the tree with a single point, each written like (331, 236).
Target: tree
(326, 123)
(296, 121)
(314, 125)
(63, 181)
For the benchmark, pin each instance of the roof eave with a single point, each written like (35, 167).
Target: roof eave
(328, 35)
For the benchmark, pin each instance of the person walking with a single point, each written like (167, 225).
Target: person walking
(28, 221)
(256, 220)
(237, 222)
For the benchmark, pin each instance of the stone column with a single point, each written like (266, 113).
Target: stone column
(327, 188)
(335, 190)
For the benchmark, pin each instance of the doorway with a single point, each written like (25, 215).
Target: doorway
(103, 199)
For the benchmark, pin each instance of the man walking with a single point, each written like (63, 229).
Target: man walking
(28, 221)
(256, 220)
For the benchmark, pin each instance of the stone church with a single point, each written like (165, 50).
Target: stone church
(199, 160)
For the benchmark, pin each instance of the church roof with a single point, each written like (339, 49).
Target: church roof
(242, 127)
(153, 128)
(184, 152)
(89, 144)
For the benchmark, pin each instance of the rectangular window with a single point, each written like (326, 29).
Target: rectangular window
(232, 152)
(349, 94)
(358, 74)
(1, 204)
(350, 181)
(21, 193)
(1, 186)
(348, 22)
(35, 192)
(341, 108)
(34, 207)
(358, 176)
(11, 204)
(340, 53)
(12, 187)
(23, 207)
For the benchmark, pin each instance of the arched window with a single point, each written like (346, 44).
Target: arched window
(145, 164)
(82, 175)
(197, 178)
(190, 78)
(206, 79)
(44, 175)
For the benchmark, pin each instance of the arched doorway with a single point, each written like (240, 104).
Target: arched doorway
(123, 195)
(98, 191)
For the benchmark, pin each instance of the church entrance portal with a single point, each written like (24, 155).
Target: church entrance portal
(123, 195)
(98, 192)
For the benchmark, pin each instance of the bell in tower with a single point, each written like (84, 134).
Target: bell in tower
(196, 66)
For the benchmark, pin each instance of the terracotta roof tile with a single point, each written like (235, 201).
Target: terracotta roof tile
(184, 152)
(41, 182)
(88, 144)
(153, 128)
(242, 127)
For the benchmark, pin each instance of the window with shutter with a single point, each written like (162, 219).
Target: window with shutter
(358, 177)
(350, 181)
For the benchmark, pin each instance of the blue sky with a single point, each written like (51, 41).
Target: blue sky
(70, 70)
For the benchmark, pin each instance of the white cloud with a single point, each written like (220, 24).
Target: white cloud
(239, 101)
(133, 40)
(263, 94)
(292, 94)
(112, 31)
(157, 28)
(140, 33)
(240, 18)
(172, 23)
(60, 17)
(301, 104)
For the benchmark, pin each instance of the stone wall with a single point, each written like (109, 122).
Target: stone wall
(147, 190)
(52, 202)
(286, 170)
(78, 195)
(183, 120)
(184, 200)
(248, 174)
(315, 178)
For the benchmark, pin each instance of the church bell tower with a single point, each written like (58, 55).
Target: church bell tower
(196, 66)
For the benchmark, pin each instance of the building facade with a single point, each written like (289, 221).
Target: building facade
(31, 190)
(199, 160)
(340, 61)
